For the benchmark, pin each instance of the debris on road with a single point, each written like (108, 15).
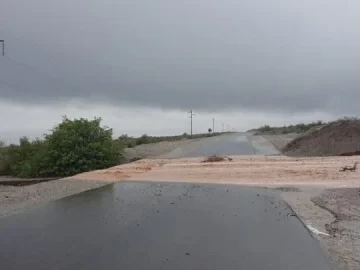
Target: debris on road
(349, 168)
(215, 158)
(348, 154)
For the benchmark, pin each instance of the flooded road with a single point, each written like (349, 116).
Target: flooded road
(133, 225)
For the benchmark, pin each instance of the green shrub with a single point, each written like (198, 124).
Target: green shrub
(5, 159)
(73, 146)
(27, 159)
(144, 139)
(79, 145)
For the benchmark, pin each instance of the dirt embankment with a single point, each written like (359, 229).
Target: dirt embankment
(335, 139)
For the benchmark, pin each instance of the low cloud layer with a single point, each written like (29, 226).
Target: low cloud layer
(209, 55)
(135, 121)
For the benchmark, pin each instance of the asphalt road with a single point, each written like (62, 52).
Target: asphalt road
(234, 144)
(161, 226)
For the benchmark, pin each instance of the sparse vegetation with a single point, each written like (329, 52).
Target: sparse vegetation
(130, 142)
(5, 159)
(298, 128)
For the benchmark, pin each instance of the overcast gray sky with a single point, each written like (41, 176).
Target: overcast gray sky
(143, 64)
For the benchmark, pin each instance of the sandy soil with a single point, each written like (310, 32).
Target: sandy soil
(260, 171)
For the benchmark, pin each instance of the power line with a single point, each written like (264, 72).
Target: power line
(191, 117)
(3, 47)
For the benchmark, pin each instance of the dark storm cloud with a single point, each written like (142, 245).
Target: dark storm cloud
(210, 55)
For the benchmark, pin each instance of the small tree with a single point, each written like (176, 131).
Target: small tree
(144, 139)
(209, 130)
(79, 145)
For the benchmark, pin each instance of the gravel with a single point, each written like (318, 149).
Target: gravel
(335, 212)
(344, 205)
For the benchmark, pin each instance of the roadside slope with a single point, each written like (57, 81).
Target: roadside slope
(335, 139)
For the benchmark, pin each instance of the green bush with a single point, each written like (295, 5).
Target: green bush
(5, 159)
(73, 146)
(144, 139)
(79, 145)
(27, 159)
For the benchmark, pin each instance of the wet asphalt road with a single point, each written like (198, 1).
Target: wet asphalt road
(226, 145)
(161, 226)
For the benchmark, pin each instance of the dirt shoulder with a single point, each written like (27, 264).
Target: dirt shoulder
(344, 205)
(335, 214)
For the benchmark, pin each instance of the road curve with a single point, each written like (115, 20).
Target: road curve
(133, 225)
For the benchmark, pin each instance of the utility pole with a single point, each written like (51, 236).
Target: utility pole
(222, 127)
(191, 122)
(3, 46)
(213, 125)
